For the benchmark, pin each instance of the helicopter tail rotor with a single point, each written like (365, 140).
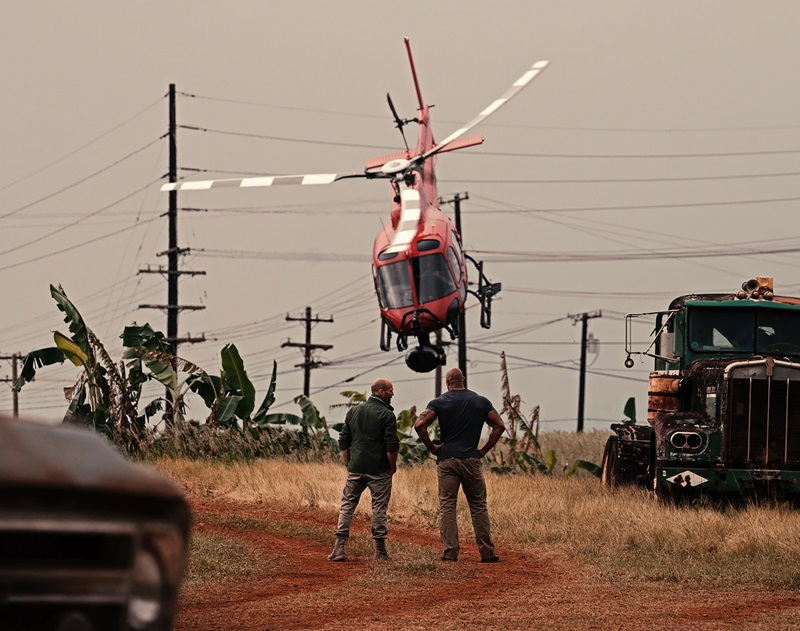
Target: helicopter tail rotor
(399, 122)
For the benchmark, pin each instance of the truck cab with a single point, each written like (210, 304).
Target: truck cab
(723, 412)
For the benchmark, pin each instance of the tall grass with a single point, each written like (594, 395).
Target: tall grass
(622, 535)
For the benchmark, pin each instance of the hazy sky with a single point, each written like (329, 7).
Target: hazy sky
(659, 154)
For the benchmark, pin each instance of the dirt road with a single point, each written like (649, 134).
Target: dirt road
(527, 589)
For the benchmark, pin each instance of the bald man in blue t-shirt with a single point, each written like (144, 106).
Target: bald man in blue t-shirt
(462, 414)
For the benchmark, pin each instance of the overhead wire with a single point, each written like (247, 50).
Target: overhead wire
(80, 181)
(656, 130)
(83, 146)
(72, 224)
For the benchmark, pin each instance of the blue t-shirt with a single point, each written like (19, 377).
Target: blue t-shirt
(461, 415)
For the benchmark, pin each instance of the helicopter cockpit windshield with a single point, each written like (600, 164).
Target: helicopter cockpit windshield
(394, 285)
(432, 277)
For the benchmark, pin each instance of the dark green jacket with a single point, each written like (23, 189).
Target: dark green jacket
(370, 430)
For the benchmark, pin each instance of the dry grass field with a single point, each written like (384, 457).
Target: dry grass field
(574, 555)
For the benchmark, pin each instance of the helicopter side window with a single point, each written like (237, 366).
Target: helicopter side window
(456, 245)
(434, 279)
(394, 285)
(387, 256)
(454, 263)
(423, 245)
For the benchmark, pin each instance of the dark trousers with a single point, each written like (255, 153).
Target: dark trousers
(466, 473)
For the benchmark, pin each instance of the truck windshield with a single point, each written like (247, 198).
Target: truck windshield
(751, 331)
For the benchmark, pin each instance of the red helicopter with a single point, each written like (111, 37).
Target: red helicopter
(419, 266)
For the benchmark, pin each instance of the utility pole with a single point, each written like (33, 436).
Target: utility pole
(14, 359)
(583, 318)
(308, 347)
(172, 308)
(462, 319)
(173, 251)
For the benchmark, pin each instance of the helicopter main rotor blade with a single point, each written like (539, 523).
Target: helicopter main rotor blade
(267, 180)
(408, 224)
(520, 83)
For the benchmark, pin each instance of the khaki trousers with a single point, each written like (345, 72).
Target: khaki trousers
(380, 487)
(466, 473)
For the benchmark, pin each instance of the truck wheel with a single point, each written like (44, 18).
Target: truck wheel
(608, 474)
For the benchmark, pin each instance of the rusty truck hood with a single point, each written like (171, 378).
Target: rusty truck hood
(37, 455)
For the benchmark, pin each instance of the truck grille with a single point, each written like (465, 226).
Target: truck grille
(52, 566)
(763, 425)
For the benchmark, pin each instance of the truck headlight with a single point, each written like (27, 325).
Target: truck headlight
(146, 592)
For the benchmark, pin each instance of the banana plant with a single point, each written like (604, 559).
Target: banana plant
(103, 396)
(230, 396)
(412, 449)
(146, 348)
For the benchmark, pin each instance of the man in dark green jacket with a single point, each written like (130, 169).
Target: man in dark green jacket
(368, 444)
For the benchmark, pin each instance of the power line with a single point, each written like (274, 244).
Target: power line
(81, 181)
(628, 180)
(734, 202)
(656, 130)
(78, 245)
(80, 148)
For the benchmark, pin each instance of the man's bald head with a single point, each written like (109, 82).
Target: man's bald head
(454, 378)
(383, 389)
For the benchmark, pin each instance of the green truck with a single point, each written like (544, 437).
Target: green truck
(723, 406)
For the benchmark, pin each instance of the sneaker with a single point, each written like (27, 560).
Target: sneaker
(492, 559)
(444, 558)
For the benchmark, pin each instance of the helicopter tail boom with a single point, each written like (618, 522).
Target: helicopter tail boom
(410, 216)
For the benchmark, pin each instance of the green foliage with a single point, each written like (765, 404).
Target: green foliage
(269, 398)
(107, 397)
(519, 450)
(411, 450)
(630, 411)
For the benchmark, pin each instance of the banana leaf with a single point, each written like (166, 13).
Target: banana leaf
(71, 350)
(526, 458)
(406, 419)
(134, 335)
(586, 466)
(207, 387)
(280, 418)
(269, 399)
(234, 374)
(36, 359)
(311, 416)
(550, 460)
(80, 333)
(227, 409)
(157, 363)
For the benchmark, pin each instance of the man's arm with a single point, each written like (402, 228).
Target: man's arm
(423, 422)
(496, 423)
(392, 442)
(345, 439)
